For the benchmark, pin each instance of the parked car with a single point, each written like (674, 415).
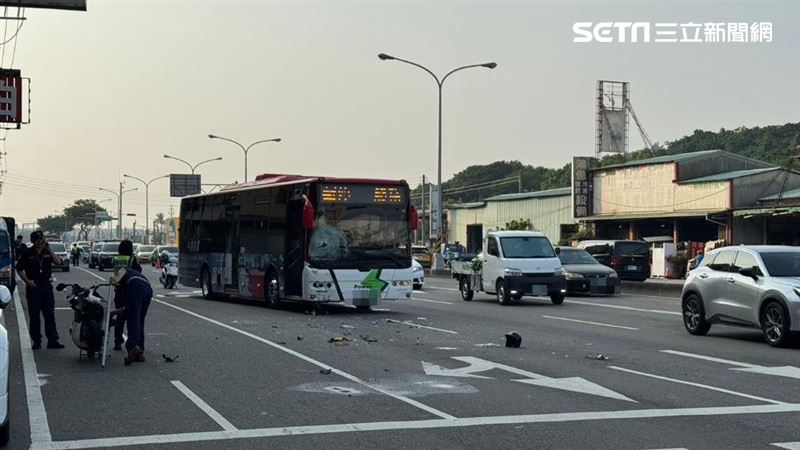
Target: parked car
(94, 253)
(422, 255)
(60, 249)
(105, 259)
(159, 249)
(757, 286)
(630, 259)
(419, 274)
(144, 253)
(585, 275)
(5, 299)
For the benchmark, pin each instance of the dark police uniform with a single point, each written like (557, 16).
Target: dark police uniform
(119, 322)
(38, 269)
(136, 292)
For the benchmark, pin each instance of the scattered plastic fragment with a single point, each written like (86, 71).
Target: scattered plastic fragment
(326, 371)
(490, 344)
(513, 339)
(598, 357)
(367, 338)
(168, 359)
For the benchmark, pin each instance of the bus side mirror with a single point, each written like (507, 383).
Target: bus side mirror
(308, 216)
(558, 250)
(413, 218)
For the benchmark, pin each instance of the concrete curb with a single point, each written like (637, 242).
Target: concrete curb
(656, 288)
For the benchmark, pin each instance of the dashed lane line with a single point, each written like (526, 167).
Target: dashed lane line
(313, 361)
(592, 323)
(442, 289)
(704, 386)
(425, 424)
(628, 308)
(404, 322)
(211, 412)
(431, 301)
(787, 445)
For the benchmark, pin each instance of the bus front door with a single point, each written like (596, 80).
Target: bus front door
(295, 248)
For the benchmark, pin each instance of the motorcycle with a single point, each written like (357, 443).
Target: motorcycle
(90, 322)
(169, 272)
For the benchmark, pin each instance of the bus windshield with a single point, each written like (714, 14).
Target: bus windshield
(354, 235)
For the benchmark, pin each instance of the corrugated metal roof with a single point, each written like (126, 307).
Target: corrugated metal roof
(730, 175)
(560, 192)
(779, 211)
(652, 215)
(467, 205)
(680, 157)
(793, 193)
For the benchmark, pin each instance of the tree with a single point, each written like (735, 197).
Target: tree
(521, 224)
(83, 213)
(159, 222)
(53, 224)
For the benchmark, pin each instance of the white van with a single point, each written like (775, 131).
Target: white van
(513, 264)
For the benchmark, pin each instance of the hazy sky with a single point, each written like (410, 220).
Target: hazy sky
(116, 87)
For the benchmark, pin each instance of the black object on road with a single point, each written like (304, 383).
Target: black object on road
(168, 359)
(513, 339)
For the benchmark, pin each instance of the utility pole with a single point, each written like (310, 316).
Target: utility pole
(119, 212)
(519, 183)
(422, 232)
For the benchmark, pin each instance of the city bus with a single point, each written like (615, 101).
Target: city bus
(300, 238)
(7, 253)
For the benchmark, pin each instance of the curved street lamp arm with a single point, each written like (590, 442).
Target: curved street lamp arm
(218, 158)
(213, 136)
(421, 67)
(109, 190)
(178, 159)
(259, 142)
(130, 190)
(487, 65)
(156, 178)
(135, 178)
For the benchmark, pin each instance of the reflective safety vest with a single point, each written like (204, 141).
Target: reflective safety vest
(122, 261)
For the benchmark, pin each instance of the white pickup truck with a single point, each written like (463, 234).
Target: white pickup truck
(513, 264)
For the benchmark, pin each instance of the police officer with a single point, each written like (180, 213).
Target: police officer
(125, 258)
(136, 293)
(76, 254)
(35, 270)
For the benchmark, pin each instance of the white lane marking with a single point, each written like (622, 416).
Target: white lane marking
(93, 274)
(779, 371)
(651, 296)
(37, 416)
(704, 386)
(710, 358)
(431, 301)
(629, 308)
(425, 424)
(404, 322)
(591, 323)
(442, 289)
(211, 412)
(476, 365)
(63, 308)
(314, 362)
(787, 445)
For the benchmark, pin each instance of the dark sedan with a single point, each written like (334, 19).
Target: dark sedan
(584, 274)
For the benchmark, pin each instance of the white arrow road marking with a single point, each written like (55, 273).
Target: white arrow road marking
(780, 371)
(789, 445)
(573, 384)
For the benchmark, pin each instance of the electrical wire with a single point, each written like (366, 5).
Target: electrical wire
(21, 17)
(5, 30)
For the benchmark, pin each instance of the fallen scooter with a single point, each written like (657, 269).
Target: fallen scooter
(90, 323)
(169, 272)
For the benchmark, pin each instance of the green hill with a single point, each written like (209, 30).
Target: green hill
(773, 143)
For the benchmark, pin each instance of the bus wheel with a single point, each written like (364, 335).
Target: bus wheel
(271, 291)
(205, 284)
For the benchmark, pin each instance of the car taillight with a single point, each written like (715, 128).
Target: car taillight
(613, 262)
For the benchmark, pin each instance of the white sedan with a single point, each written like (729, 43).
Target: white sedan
(5, 299)
(419, 274)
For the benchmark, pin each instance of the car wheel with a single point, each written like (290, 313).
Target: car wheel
(502, 295)
(272, 290)
(465, 289)
(417, 286)
(205, 284)
(5, 432)
(557, 298)
(775, 324)
(694, 315)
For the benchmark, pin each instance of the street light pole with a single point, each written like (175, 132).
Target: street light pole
(119, 206)
(147, 201)
(244, 149)
(440, 84)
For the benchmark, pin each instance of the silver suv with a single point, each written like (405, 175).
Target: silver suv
(753, 285)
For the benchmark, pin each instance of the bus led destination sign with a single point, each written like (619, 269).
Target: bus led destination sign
(361, 193)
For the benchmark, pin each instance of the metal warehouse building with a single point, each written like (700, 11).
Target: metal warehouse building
(699, 196)
(549, 212)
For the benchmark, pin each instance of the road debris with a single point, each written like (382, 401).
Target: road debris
(299, 338)
(367, 338)
(347, 327)
(598, 357)
(168, 359)
(513, 339)
(445, 348)
(488, 344)
(339, 340)
(326, 371)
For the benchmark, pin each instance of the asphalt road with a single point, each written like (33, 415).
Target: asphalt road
(431, 372)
